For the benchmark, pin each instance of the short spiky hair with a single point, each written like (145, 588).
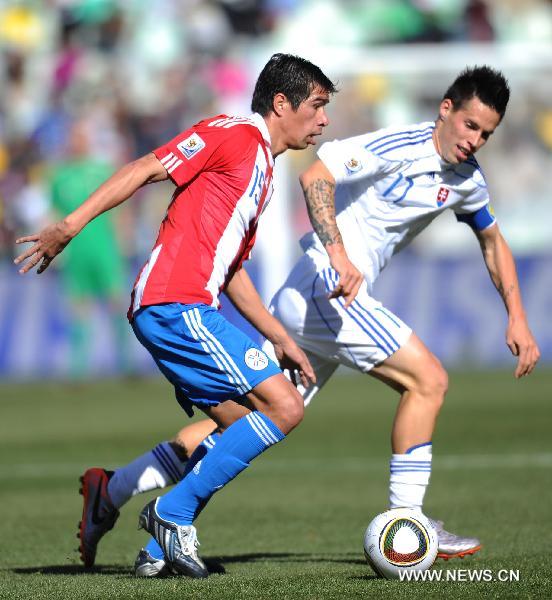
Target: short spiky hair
(485, 83)
(293, 76)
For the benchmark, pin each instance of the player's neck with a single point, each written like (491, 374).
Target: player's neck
(435, 138)
(276, 144)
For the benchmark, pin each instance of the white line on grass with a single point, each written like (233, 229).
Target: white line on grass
(343, 464)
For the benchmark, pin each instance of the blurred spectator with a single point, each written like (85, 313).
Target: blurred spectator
(478, 23)
(94, 268)
(137, 73)
(515, 21)
(247, 16)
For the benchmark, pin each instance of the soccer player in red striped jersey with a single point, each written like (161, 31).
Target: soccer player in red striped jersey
(222, 170)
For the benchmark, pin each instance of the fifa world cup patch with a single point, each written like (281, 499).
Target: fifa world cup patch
(442, 196)
(256, 360)
(353, 165)
(191, 145)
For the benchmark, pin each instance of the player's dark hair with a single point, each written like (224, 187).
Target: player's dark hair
(293, 76)
(485, 83)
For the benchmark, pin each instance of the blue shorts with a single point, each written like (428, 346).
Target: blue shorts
(206, 358)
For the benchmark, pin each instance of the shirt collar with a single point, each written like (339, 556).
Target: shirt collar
(261, 126)
(427, 159)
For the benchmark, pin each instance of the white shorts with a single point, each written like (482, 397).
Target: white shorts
(362, 336)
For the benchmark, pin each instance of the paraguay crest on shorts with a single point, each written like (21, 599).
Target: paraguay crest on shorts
(442, 196)
(191, 145)
(256, 360)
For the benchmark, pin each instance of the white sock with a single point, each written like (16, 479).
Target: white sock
(409, 477)
(157, 468)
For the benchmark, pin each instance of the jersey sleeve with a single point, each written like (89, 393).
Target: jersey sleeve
(189, 153)
(475, 210)
(349, 160)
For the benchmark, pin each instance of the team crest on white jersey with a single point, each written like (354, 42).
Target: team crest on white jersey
(256, 360)
(191, 145)
(442, 196)
(353, 165)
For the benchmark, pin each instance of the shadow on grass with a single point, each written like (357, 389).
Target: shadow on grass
(72, 570)
(214, 564)
(287, 557)
(213, 567)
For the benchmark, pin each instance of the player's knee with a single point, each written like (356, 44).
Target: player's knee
(441, 381)
(433, 384)
(290, 411)
(438, 386)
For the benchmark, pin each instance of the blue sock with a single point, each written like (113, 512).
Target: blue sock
(154, 549)
(200, 452)
(235, 449)
(152, 546)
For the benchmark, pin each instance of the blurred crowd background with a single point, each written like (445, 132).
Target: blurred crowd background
(87, 85)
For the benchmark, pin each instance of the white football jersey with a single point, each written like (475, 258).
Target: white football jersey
(390, 185)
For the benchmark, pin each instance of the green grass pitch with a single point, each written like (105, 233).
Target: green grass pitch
(292, 525)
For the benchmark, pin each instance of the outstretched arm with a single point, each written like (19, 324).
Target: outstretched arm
(119, 187)
(319, 189)
(500, 263)
(245, 298)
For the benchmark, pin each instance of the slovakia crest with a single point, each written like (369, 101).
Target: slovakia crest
(353, 165)
(191, 145)
(442, 196)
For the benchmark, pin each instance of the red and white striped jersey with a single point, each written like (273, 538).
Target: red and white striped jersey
(222, 168)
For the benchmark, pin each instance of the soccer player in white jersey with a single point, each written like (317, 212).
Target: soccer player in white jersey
(222, 170)
(385, 187)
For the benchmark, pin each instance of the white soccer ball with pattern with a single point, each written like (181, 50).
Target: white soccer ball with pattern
(400, 540)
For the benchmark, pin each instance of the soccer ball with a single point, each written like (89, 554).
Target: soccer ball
(400, 540)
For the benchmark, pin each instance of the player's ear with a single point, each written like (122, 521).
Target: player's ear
(279, 103)
(445, 108)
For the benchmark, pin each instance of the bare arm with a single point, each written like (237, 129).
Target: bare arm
(500, 263)
(319, 189)
(119, 187)
(245, 298)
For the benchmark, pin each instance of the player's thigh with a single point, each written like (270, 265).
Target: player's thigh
(412, 367)
(276, 397)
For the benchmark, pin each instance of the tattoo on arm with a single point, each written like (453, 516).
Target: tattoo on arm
(320, 205)
(505, 293)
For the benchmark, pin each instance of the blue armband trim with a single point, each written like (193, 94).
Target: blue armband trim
(478, 220)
